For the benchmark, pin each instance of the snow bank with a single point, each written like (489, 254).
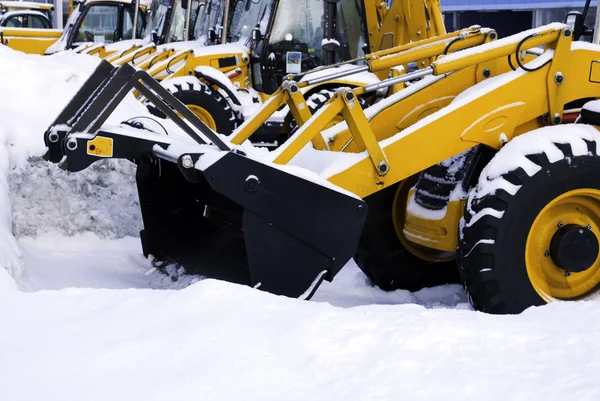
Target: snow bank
(220, 341)
(43, 197)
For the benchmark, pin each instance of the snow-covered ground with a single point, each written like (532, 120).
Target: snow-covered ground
(84, 316)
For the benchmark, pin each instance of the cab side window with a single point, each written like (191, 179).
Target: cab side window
(15, 22)
(37, 22)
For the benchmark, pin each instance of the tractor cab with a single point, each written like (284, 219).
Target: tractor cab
(99, 21)
(295, 36)
(25, 14)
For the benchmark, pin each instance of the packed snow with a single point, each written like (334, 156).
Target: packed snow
(83, 315)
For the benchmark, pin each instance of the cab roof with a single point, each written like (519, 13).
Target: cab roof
(26, 5)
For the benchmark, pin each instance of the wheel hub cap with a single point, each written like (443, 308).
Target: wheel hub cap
(574, 248)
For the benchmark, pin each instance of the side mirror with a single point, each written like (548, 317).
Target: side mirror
(256, 34)
(574, 20)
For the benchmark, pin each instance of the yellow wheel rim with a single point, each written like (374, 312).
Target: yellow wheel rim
(203, 115)
(580, 207)
(398, 217)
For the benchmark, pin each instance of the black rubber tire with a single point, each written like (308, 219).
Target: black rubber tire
(494, 271)
(383, 258)
(196, 92)
(315, 102)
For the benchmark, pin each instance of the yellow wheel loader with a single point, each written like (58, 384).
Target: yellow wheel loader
(481, 127)
(25, 14)
(92, 21)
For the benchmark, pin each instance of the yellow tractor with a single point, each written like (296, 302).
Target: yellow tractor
(25, 14)
(93, 21)
(472, 159)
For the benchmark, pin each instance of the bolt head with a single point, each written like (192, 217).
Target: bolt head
(187, 162)
(53, 137)
(556, 119)
(547, 253)
(559, 78)
(252, 183)
(72, 144)
(560, 224)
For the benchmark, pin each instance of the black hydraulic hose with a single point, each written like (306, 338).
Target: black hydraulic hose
(153, 58)
(135, 54)
(526, 38)
(451, 43)
(512, 67)
(168, 64)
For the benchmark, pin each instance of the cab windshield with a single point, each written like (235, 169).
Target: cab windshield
(246, 14)
(298, 26)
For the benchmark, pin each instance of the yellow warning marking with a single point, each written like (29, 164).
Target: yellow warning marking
(100, 146)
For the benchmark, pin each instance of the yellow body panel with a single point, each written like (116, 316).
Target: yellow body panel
(33, 41)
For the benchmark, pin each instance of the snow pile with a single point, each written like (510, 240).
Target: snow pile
(220, 341)
(44, 198)
(102, 199)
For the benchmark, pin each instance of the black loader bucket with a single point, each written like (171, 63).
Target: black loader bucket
(237, 219)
